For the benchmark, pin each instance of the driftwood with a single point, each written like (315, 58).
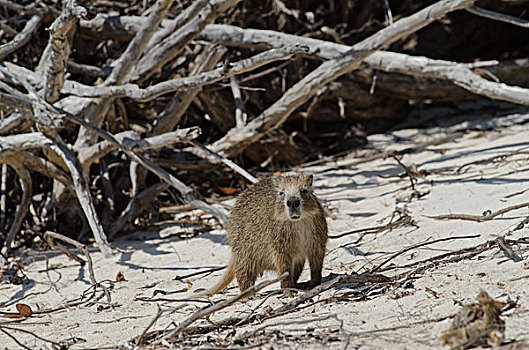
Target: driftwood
(120, 109)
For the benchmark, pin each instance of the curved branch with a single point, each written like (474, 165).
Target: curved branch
(27, 193)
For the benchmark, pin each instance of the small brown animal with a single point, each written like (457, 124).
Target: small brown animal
(276, 224)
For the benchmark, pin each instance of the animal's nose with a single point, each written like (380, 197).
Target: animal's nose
(293, 203)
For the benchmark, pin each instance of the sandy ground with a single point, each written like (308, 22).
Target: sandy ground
(363, 190)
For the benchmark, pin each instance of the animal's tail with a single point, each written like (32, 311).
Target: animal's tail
(229, 275)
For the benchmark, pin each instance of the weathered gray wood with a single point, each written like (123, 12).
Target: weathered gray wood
(170, 26)
(498, 16)
(135, 92)
(14, 143)
(237, 139)
(23, 37)
(52, 64)
(126, 62)
(172, 45)
(175, 109)
(96, 109)
(388, 62)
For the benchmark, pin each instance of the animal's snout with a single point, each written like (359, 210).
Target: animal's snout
(293, 203)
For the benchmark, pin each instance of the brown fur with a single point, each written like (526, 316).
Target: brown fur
(276, 224)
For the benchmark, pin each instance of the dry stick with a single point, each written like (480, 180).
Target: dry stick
(64, 250)
(459, 255)
(515, 194)
(83, 194)
(407, 170)
(458, 73)
(91, 154)
(23, 37)
(290, 307)
(228, 162)
(27, 193)
(14, 6)
(186, 192)
(141, 339)
(170, 27)
(254, 332)
(240, 114)
(13, 122)
(3, 196)
(476, 217)
(181, 100)
(491, 159)
(52, 64)
(199, 273)
(58, 345)
(498, 16)
(44, 114)
(221, 305)
(48, 235)
(162, 140)
(14, 339)
(177, 300)
(504, 246)
(86, 204)
(172, 45)
(393, 256)
(149, 93)
(88, 71)
(45, 167)
(137, 205)
(126, 62)
(96, 109)
(347, 279)
(238, 139)
(402, 221)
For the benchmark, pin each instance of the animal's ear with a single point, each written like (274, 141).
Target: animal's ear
(309, 178)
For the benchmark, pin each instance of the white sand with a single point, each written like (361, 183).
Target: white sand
(361, 195)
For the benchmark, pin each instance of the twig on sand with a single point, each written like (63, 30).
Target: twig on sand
(491, 159)
(291, 306)
(199, 273)
(393, 256)
(477, 218)
(49, 236)
(505, 247)
(402, 221)
(219, 306)
(407, 170)
(159, 313)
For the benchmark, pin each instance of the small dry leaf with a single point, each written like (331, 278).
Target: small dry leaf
(12, 315)
(24, 310)
(227, 190)
(120, 277)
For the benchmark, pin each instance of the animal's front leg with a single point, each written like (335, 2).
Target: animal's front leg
(316, 265)
(284, 264)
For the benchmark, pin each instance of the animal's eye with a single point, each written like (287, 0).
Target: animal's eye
(304, 191)
(281, 193)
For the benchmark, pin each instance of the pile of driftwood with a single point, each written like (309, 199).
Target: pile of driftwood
(110, 107)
